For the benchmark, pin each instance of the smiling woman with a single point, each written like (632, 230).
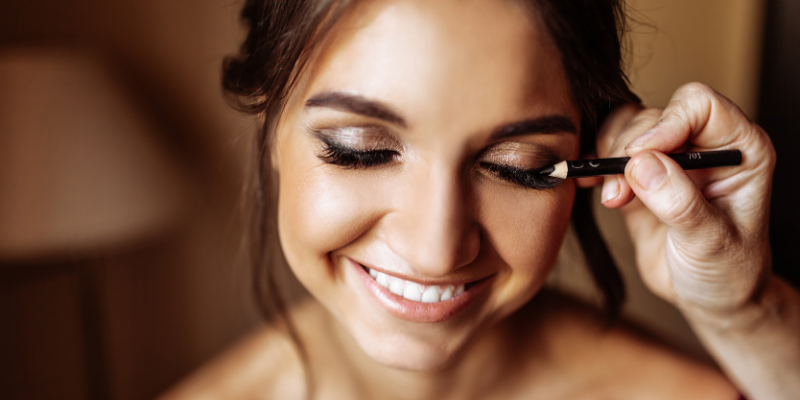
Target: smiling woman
(414, 202)
(408, 137)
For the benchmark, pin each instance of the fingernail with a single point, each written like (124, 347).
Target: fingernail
(649, 173)
(641, 140)
(610, 190)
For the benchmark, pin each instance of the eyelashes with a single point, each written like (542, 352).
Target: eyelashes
(530, 178)
(344, 156)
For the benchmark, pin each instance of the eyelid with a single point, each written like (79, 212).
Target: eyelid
(519, 155)
(362, 138)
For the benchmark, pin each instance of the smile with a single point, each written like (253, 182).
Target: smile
(417, 302)
(414, 291)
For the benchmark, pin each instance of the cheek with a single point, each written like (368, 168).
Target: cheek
(320, 210)
(526, 236)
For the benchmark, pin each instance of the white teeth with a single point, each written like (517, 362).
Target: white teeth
(448, 293)
(431, 295)
(383, 279)
(414, 291)
(396, 286)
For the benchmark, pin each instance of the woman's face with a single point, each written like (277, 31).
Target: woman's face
(406, 204)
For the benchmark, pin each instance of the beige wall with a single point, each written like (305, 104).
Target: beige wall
(717, 42)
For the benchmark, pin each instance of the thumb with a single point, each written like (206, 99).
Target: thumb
(668, 192)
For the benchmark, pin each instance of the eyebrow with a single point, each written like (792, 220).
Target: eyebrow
(356, 105)
(547, 124)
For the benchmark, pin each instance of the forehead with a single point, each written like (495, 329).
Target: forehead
(436, 60)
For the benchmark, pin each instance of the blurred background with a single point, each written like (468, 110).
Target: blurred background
(121, 170)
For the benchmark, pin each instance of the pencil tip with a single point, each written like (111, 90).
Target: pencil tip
(547, 171)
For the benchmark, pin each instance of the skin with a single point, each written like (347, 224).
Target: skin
(430, 216)
(433, 216)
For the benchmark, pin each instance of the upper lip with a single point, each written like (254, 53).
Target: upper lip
(457, 279)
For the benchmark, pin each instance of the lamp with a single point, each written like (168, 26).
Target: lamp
(81, 175)
(80, 168)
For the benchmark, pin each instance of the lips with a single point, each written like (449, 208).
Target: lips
(415, 302)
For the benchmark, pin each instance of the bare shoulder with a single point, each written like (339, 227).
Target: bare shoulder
(623, 361)
(265, 364)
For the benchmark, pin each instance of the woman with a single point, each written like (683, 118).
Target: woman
(404, 134)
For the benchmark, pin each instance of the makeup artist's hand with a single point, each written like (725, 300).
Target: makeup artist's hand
(700, 236)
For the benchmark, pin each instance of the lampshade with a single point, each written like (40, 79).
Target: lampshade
(81, 166)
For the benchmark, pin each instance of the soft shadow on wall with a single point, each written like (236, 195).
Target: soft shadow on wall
(124, 320)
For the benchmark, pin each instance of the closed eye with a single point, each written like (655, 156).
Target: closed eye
(530, 178)
(339, 154)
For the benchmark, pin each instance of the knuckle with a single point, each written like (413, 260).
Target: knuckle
(647, 117)
(680, 109)
(758, 146)
(636, 126)
(697, 89)
(764, 140)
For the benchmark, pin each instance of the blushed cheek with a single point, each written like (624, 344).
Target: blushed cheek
(527, 236)
(321, 210)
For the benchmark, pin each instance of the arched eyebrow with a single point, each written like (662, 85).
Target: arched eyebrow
(555, 123)
(356, 105)
(547, 124)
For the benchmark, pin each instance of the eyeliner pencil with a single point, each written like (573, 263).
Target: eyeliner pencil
(613, 166)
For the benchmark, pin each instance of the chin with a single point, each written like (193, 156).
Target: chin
(411, 353)
(411, 357)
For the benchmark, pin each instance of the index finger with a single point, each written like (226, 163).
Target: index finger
(697, 114)
(623, 125)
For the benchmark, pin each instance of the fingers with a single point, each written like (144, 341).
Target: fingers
(699, 115)
(624, 126)
(702, 119)
(588, 182)
(621, 128)
(616, 192)
(668, 192)
(697, 118)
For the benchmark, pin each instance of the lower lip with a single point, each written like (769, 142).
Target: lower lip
(416, 311)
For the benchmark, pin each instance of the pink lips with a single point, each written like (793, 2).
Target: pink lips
(414, 311)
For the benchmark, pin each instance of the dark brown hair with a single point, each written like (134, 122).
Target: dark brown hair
(283, 32)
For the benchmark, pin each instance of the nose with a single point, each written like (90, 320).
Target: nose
(433, 227)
